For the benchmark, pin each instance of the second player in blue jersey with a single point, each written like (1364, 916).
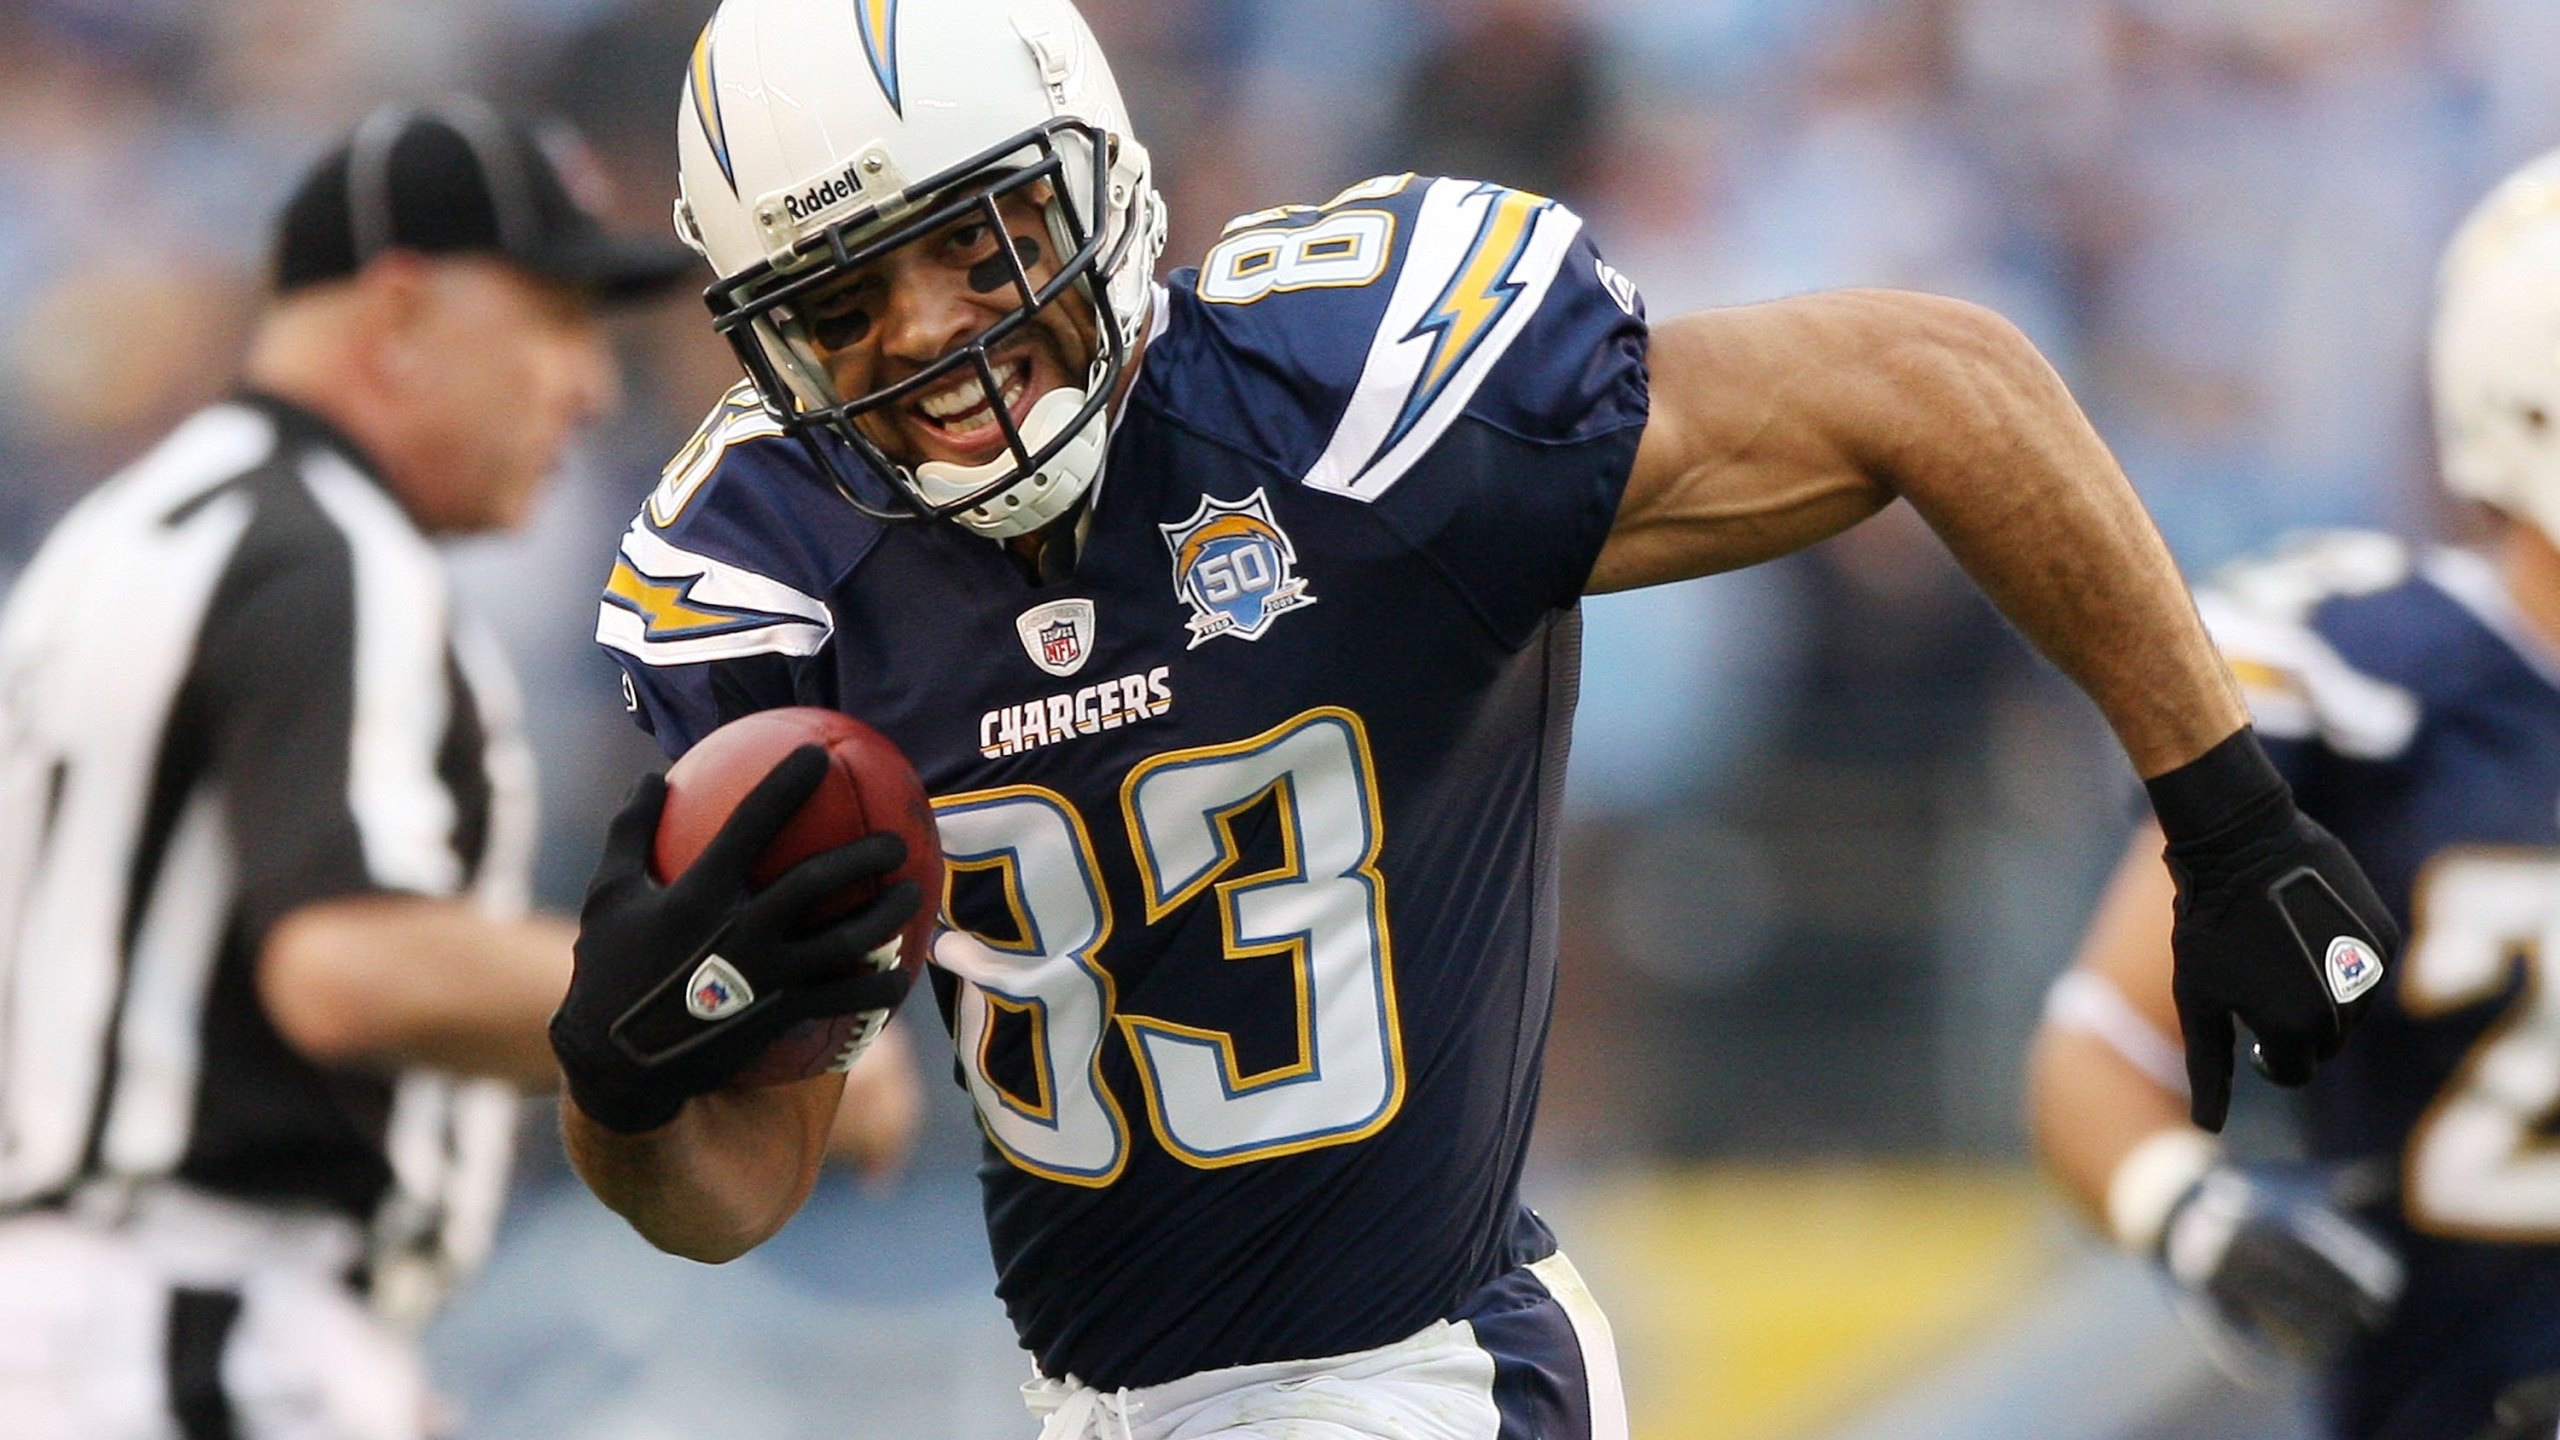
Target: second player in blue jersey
(2412, 696)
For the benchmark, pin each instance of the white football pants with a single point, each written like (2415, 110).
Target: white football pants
(1437, 1384)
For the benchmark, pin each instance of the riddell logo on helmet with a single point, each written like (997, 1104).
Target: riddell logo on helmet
(823, 196)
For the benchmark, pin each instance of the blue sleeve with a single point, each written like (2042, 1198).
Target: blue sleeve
(1514, 503)
(718, 595)
(2312, 633)
(679, 704)
(1454, 354)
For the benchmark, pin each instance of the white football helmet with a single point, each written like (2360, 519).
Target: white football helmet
(2495, 355)
(817, 136)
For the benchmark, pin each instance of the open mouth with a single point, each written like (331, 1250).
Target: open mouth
(962, 416)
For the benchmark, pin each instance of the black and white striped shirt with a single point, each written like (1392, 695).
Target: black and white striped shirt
(232, 684)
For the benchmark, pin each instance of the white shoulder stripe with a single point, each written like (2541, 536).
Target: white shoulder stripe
(213, 447)
(2299, 687)
(669, 606)
(403, 627)
(1478, 266)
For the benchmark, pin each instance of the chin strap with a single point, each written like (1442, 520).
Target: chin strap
(1036, 498)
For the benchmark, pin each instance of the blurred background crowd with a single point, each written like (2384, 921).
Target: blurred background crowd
(1835, 829)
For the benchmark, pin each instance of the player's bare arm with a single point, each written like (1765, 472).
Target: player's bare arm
(1773, 426)
(1776, 425)
(701, 1168)
(392, 980)
(721, 1177)
(736, 1164)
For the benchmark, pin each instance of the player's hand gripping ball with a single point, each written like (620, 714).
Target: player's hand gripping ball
(868, 788)
(757, 913)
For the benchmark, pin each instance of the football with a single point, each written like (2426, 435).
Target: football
(869, 787)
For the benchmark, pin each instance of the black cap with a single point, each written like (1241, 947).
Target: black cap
(458, 177)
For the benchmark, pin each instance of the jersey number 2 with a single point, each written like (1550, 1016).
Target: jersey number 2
(1321, 911)
(2477, 1166)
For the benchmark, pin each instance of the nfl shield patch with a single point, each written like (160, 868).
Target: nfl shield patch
(1057, 636)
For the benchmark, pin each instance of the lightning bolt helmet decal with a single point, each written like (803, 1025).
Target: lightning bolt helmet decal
(706, 107)
(880, 41)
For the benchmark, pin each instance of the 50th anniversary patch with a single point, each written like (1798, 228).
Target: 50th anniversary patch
(1235, 568)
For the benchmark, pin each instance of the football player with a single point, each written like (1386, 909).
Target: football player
(1232, 622)
(2412, 697)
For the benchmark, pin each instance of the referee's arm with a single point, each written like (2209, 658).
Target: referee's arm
(391, 980)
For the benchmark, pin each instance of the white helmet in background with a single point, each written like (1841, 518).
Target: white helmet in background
(816, 136)
(2495, 356)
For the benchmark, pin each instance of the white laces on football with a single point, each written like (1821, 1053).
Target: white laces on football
(1073, 1411)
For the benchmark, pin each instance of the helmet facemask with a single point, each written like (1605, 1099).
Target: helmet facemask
(1053, 454)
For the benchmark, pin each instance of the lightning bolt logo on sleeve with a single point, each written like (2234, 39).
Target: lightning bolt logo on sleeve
(666, 609)
(669, 606)
(1484, 287)
(1480, 261)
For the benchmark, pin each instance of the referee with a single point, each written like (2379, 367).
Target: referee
(267, 976)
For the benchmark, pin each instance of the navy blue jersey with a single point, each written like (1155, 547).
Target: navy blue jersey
(1251, 821)
(2417, 718)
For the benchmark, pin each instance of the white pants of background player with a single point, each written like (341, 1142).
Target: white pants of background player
(87, 1303)
(1536, 1329)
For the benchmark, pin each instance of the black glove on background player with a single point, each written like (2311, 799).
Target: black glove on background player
(2276, 926)
(2269, 1258)
(630, 1047)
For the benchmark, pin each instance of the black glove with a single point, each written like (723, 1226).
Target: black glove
(678, 986)
(2269, 1259)
(2275, 924)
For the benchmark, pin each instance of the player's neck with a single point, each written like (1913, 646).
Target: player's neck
(2531, 564)
(1047, 556)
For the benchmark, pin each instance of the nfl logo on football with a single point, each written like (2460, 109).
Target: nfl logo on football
(1232, 564)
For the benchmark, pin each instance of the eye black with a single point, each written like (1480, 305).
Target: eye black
(838, 329)
(994, 273)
